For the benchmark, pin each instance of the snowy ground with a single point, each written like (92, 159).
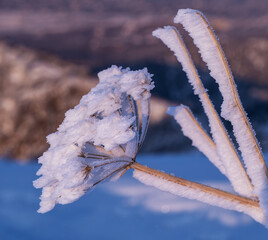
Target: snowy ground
(122, 210)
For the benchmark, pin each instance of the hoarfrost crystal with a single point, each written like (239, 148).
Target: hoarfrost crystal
(249, 180)
(97, 139)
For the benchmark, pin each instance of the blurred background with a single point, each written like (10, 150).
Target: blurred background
(51, 51)
(50, 54)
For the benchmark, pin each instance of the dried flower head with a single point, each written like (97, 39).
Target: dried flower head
(98, 139)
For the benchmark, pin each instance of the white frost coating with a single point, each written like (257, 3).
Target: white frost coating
(193, 130)
(225, 150)
(171, 37)
(96, 140)
(119, 134)
(234, 169)
(193, 22)
(141, 87)
(196, 194)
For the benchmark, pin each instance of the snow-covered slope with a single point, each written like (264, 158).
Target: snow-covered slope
(122, 210)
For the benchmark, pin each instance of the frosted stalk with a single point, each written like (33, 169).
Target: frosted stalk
(197, 194)
(226, 152)
(192, 129)
(145, 118)
(211, 52)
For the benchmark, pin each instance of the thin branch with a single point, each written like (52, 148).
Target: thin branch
(235, 94)
(145, 125)
(192, 129)
(124, 171)
(238, 175)
(96, 155)
(107, 163)
(109, 175)
(121, 147)
(135, 112)
(202, 131)
(193, 185)
(208, 107)
(99, 147)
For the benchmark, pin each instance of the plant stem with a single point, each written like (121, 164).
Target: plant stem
(217, 125)
(236, 96)
(193, 185)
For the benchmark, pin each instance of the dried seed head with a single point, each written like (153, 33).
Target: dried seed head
(97, 140)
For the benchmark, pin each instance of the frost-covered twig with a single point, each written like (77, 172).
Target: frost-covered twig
(224, 147)
(211, 52)
(196, 191)
(192, 129)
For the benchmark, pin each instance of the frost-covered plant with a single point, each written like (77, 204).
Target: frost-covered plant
(249, 181)
(100, 138)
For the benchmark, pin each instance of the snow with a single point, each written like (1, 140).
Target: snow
(123, 210)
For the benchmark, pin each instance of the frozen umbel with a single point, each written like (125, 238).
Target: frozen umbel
(99, 139)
